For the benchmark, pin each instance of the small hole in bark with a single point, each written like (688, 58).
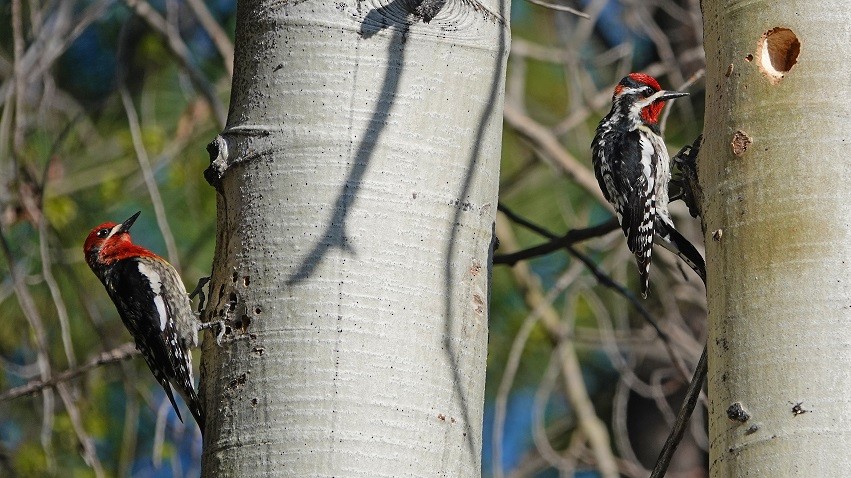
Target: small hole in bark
(257, 310)
(749, 57)
(246, 280)
(736, 412)
(778, 52)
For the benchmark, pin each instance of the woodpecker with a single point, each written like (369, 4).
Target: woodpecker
(153, 304)
(633, 169)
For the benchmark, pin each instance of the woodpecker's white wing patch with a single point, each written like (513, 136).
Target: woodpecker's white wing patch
(156, 286)
(158, 300)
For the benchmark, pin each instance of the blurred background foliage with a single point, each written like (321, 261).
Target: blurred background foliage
(71, 158)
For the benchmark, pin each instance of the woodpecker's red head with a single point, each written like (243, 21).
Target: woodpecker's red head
(639, 94)
(110, 242)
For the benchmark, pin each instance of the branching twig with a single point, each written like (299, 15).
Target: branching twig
(560, 8)
(696, 384)
(181, 52)
(216, 32)
(27, 303)
(592, 427)
(122, 352)
(147, 172)
(513, 364)
(556, 243)
(542, 138)
(602, 278)
(30, 311)
(692, 393)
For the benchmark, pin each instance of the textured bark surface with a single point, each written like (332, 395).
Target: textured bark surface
(775, 173)
(358, 175)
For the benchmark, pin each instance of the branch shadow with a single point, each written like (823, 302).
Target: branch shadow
(394, 16)
(449, 345)
(335, 232)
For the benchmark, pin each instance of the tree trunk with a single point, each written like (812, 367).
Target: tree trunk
(775, 175)
(357, 180)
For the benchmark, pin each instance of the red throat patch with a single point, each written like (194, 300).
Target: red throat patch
(650, 113)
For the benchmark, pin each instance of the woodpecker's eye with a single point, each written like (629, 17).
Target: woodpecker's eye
(647, 91)
(103, 232)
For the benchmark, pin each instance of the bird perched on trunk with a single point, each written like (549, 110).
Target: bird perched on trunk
(633, 169)
(153, 304)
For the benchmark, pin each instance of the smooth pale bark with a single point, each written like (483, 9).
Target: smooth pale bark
(358, 179)
(779, 287)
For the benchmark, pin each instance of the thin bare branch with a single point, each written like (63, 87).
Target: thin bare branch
(20, 82)
(122, 352)
(34, 208)
(148, 174)
(566, 463)
(543, 139)
(88, 445)
(572, 236)
(593, 428)
(561, 8)
(216, 32)
(129, 438)
(513, 364)
(181, 52)
(27, 304)
(692, 394)
(608, 282)
(683, 87)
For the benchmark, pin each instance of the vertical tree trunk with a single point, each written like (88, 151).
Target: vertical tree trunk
(358, 181)
(775, 174)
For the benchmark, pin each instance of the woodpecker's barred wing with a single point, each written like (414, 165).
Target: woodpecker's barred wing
(627, 179)
(144, 294)
(625, 164)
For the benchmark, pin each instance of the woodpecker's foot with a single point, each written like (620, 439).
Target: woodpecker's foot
(221, 329)
(686, 186)
(199, 291)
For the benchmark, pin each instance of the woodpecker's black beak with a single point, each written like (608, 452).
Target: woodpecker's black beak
(669, 95)
(125, 226)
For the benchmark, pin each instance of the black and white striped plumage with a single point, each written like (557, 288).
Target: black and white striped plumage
(633, 169)
(154, 306)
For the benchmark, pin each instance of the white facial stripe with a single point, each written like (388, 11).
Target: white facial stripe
(648, 101)
(156, 285)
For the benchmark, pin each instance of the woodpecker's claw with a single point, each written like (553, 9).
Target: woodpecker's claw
(199, 291)
(218, 323)
(686, 181)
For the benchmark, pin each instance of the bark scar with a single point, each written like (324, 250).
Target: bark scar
(218, 151)
(225, 151)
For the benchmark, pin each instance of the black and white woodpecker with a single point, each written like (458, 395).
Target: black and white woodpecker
(153, 304)
(633, 169)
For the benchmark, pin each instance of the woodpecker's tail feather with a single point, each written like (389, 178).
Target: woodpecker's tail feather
(669, 238)
(163, 380)
(188, 396)
(191, 399)
(643, 261)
